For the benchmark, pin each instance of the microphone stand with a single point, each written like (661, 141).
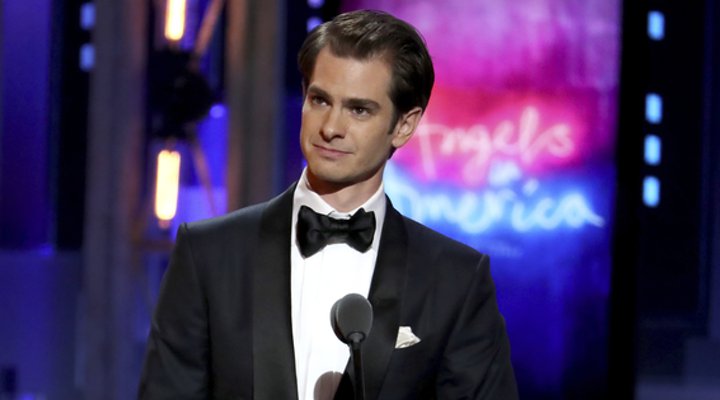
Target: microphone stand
(356, 339)
(351, 318)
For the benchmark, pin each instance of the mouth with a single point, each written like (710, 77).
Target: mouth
(329, 151)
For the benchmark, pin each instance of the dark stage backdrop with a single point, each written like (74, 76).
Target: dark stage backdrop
(515, 158)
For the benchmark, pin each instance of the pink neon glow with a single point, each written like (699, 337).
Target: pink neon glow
(455, 145)
(510, 44)
(515, 82)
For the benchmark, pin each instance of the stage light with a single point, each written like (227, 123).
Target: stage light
(167, 186)
(87, 16)
(87, 57)
(653, 108)
(316, 3)
(313, 22)
(653, 147)
(175, 19)
(656, 25)
(651, 191)
(218, 111)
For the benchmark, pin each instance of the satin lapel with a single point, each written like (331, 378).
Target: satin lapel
(273, 354)
(386, 294)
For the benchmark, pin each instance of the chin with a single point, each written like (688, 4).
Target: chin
(329, 175)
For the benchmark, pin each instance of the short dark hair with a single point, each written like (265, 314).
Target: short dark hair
(366, 34)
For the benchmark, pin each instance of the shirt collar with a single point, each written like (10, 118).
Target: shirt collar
(304, 196)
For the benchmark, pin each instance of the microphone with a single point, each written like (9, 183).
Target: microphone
(351, 319)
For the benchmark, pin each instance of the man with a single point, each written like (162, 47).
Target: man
(244, 311)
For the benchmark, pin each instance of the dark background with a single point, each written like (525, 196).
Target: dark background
(71, 300)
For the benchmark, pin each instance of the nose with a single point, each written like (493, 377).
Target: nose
(333, 126)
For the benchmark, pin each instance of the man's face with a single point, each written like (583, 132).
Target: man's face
(347, 123)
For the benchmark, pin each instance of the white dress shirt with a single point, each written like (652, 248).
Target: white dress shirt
(317, 282)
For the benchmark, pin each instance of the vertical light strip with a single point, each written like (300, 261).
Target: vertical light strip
(653, 115)
(175, 19)
(86, 59)
(167, 184)
(651, 184)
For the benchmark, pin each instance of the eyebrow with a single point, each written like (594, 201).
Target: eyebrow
(316, 90)
(361, 103)
(350, 103)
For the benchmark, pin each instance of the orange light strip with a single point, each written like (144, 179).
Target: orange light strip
(167, 184)
(175, 19)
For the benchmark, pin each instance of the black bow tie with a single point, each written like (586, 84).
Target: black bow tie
(315, 231)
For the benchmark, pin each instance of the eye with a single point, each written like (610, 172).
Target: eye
(318, 100)
(360, 111)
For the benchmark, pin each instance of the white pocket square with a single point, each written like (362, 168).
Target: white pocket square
(406, 338)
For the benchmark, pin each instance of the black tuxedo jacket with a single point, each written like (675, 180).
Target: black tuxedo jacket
(222, 326)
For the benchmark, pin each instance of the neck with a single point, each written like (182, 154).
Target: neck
(345, 198)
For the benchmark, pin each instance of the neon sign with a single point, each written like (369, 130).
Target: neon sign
(475, 212)
(443, 150)
(483, 167)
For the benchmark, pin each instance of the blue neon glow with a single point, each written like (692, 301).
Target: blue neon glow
(87, 16)
(312, 22)
(651, 191)
(316, 3)
(653, 108)
(522, 209)
(87, 57)
(656, 25)
(27, 396)
(653, 150)
(502, 173)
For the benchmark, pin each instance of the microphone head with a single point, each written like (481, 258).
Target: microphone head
(351, 318)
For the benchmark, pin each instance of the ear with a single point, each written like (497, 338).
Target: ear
(405, 127)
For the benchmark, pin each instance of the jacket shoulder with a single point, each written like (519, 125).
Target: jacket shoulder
(245, 220)
(430, 240)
